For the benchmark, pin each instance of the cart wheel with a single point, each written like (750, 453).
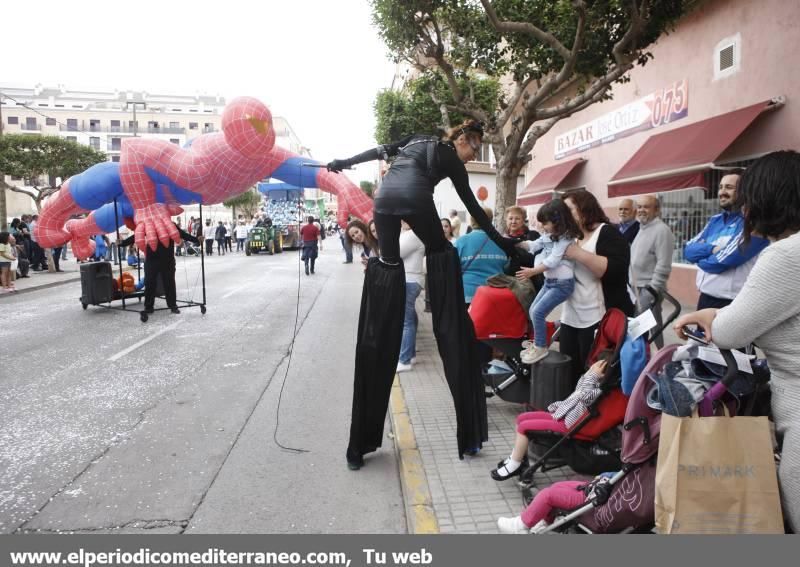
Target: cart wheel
(143, 317)
(247, 251)
(203, 309)
(84, 305)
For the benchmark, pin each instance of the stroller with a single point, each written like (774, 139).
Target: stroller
(592, 445)
(625, 503)
(501, 323)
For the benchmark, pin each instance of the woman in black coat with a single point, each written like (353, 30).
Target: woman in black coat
(406, 193)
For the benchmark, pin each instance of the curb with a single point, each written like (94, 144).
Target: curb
(37, 287)
(42, 286)
(420, 516)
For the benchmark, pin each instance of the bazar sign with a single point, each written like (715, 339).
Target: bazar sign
(656, 109)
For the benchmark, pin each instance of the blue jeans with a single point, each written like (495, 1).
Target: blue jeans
(552, 294)
(408, 346)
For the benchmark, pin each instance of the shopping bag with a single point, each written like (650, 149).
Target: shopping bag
(716, 475)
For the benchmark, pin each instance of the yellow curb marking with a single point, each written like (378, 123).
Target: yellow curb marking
(419, 505)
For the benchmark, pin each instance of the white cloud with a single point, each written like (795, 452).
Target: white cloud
(318, 63)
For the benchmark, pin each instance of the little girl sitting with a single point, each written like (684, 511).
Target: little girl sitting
(559, 231)
(564, 495)
(559, 418)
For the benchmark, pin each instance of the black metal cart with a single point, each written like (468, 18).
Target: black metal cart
(97, 287)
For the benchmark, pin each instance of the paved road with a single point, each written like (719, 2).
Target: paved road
(108, 424)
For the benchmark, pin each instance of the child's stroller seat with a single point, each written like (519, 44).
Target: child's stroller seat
(592, 445)
(500, 321)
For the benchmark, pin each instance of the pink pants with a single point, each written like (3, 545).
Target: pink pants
(539, 421)
(561, 495)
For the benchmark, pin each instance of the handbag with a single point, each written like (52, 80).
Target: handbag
(716, 475)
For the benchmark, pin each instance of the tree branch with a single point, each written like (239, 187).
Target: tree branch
(16, 189)
(526, 28)
(519, 92)
(443, 110)
(567, 69)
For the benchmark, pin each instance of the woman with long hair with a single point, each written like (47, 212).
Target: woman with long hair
(602, 260)
(407, 194)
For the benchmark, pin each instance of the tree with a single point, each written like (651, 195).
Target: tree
(248, 202)
(34, 158)
(556, 57)
(368, 187)
(422, 106)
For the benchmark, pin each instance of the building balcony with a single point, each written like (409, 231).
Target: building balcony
(122, 129)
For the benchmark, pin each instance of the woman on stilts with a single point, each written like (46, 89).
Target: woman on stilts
(406, 193)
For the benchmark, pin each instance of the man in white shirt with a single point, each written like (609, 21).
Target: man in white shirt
(208, 234)
(241, 236)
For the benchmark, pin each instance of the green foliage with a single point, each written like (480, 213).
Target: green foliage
(553, 58)
(248, 202)
(415, 109)
(368, 187)
(31, 156)
(471, 42)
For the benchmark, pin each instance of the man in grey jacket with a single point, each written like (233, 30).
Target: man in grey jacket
(651, 258)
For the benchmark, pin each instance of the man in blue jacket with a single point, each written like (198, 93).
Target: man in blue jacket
(723, 262)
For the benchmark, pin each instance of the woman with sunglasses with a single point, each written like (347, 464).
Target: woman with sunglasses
(406, 193)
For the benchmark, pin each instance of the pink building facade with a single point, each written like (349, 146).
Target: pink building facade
(726, 55)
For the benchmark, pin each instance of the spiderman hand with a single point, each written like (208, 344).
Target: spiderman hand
(154, 225)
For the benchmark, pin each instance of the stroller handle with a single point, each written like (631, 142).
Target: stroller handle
(658, 296)
(706, 405)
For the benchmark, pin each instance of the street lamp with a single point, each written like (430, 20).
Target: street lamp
(134, 104)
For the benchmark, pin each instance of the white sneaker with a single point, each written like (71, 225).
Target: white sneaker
(533, 355)
(414, 360)
(512, 526)
(404, 367)
(526, 345)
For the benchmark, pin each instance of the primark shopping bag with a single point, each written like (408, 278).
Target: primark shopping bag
(716, 475)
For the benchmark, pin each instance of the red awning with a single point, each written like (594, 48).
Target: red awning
(677, 159)
(540, 189)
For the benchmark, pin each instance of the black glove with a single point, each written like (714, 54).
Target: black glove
(338, 165)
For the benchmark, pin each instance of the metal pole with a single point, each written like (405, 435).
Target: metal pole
(119, 256)
(134, 104)
(202, 255)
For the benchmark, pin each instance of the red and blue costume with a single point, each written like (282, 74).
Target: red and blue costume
(154, 177)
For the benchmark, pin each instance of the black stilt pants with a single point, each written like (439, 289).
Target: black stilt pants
(380, 331)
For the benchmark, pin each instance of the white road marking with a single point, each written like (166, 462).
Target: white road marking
(235, 290)
(144, 341)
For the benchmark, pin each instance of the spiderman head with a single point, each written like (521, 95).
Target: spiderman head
(247, 126)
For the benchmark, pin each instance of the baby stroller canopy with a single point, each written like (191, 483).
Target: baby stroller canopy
(496, 313)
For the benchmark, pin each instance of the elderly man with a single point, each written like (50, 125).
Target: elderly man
(628, 225)
(723, 260)
(651, 257)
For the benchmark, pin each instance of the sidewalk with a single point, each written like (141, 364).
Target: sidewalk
(443, 494)
(42, 280)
